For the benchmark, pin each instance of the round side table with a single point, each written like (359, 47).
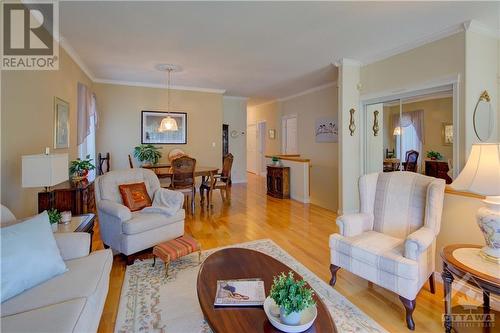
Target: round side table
(462, 261)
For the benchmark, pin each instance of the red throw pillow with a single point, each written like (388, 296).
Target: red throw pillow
(135, 196)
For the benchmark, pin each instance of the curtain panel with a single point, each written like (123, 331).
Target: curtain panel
(87, 113)
(415, 118)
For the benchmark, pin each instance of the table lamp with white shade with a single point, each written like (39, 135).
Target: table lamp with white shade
(481, 175)
(44, 170)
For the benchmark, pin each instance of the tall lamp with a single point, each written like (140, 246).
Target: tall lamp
(44, 170)
(481, 175)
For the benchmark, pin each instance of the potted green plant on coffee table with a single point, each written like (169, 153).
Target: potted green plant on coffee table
(147, 154)
(292, 296)
(79, 168)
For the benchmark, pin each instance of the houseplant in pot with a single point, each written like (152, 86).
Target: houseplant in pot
(147, 154)
(54, 218)
(79, 168)
(292, 296)
(434, 155)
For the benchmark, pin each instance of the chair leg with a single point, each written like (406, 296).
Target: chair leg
(334, 269)
(193, 194)
(432, 284)
(409, 307)
(222, 195)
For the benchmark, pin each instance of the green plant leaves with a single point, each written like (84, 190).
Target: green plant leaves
(291, 294)
(147, 152)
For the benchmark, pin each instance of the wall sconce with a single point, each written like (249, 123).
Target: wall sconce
(352, 126)
(375, 123)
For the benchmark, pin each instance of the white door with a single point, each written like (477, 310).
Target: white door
(289, 130)
(261, 148)
(252, 148)
(374, 141)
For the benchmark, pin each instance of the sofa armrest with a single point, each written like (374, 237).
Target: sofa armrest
(73, 245)
(417, 242)
(115, 209)
(354, 224)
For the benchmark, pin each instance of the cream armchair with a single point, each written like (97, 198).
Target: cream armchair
(391, 241)
(130, 232)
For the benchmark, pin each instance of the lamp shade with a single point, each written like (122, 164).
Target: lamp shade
(397, 130)
(44, 170)
(168, 124)
(481, 174)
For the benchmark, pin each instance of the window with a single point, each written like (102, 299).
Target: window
(408, 140)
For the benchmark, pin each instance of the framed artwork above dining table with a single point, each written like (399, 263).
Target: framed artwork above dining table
(151, 133)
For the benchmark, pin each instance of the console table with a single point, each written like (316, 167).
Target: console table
(464, 262)
(78, 197)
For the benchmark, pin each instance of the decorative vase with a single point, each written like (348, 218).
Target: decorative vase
(54, 227)
(488, 219)
(290, 319)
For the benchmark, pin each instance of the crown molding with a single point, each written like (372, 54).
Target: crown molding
(479, 28)
(263, 104)
(308, 91)
(78, 60)
(160, 86)
(242, 98)
(415, 44)
(348, 62)
(63, 42)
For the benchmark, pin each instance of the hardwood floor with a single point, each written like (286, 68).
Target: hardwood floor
(303, 231)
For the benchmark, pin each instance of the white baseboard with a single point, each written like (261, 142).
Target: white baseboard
(473, 292)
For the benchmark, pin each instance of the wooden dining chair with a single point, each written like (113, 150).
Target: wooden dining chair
(101, 161)
(411, 161)
(183, 179)
(221, 181)
(130, 162)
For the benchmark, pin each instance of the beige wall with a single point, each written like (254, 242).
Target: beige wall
(323, 156)
(270, 113)
(119, 129)
(235, 115)
(436, 112)
(28, 124)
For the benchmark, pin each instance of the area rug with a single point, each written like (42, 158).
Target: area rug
(152, 303)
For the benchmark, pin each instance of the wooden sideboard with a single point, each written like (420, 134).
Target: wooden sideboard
(278, 181)
(437, 169)
(78, 197)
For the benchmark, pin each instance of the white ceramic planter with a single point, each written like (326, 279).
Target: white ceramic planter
(291, 319)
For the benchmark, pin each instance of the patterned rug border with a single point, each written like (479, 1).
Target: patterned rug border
(356, 319)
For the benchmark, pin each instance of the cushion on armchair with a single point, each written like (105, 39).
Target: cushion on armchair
(135, 196)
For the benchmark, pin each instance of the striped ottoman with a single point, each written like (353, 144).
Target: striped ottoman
(176, 248)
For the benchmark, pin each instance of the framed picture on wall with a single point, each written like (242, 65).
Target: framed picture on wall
(272, 134)
(447, 134)
(166, 128)
(61, 123)
(326, 130)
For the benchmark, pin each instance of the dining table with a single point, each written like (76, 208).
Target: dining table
(163, 170)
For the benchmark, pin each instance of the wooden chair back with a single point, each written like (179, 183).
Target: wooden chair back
(183, 172)
(411, 160)
(100, 163)
(226, 167)
(130, 162)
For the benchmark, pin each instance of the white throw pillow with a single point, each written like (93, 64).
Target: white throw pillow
(30, 255)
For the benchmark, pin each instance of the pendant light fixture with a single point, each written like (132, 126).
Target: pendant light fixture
(168, 123)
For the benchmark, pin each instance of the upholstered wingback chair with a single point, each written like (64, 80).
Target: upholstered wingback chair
(391, 241)
(130, 232)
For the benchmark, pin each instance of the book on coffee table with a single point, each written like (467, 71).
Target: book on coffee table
(242, 292)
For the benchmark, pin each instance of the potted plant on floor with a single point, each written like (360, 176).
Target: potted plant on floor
(79, 169)
(147, 154)
(292, 296)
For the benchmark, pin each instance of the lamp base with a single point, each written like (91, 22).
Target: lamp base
(488, 219)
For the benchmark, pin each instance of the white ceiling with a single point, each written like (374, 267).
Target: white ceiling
(262, 50)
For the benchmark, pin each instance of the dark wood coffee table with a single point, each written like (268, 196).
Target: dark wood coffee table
(237, 263)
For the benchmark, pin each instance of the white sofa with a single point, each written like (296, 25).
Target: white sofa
(70, 302)
(392, 240)
(130, 232)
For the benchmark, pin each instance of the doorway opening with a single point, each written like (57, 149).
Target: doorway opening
(289, 142)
